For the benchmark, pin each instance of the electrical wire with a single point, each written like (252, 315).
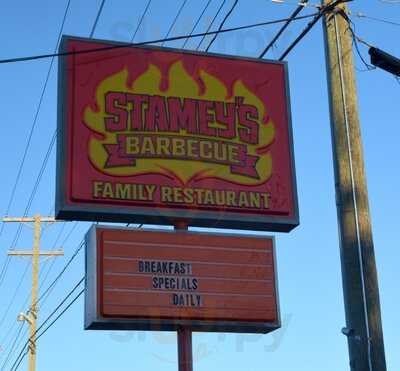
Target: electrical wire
(138, 227)
(120, 46)
(53, 139)
(52, 285)
(14, 295)
(362, 15)
(193, 35)
(28, 143)
(81, 292)
(100, 10)
(19, 229)
(304, 4)
(211, 23)
(355, 41)
(65, 299)
(60, 304)
(48, 318)
(141, 20)
(12, 347)
(54, 246)
(40, 274)
(226, 30)
(45, 161)
(196, 23)
(59, 316)
(19, 359)
(60, 232)
(37, 182)
(174, 21)
(19, 362)
(45, 294)
(24, 336)
(128, 45)
(283, 28)
(325, 9)
(222, 24)
(27, 146)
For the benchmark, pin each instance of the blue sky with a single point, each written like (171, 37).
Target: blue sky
(308, 257)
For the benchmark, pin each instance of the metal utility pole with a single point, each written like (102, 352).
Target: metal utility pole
(32, 315)
(359, 276)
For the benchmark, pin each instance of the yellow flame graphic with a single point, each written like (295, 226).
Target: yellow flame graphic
(180, 84)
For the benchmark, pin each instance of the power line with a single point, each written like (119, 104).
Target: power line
(197, 22)
(37, 113)
(283, 28)
(302, 3)
(356, 40)
(53, 261)
(53, 248)
(5, 339)
(53, 139)
(82, 279)
(128, 45)
(52, 323)
(97, 18)
(63, 311)
(179, 37)
(20, 357)
(33, 193)
(14, 295)
(222, 24)
(312, 23)
(45, 160)
(236, 28)
(52, 264)
(41, 172)
(174, 21)
(12, 347)
(18, 360)
(35, 117)
(51, 286)
(141, 20)
(59, 305)
(211, 23)
(27, 146)
(45, 294)
(362, 15)
(21, 339)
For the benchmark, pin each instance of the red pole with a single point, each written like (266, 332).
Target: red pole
(185, 358)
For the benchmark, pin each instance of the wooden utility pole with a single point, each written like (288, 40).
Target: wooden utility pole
(32, 315)
(359, 276)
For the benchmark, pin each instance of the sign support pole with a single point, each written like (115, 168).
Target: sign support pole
(185, 358)
(184, 335)
(359, 275)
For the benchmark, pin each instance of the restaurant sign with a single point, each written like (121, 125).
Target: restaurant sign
(162, 280)
(158, 135)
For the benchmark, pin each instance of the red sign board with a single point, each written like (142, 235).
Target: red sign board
(162, 280)
(157, 135)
